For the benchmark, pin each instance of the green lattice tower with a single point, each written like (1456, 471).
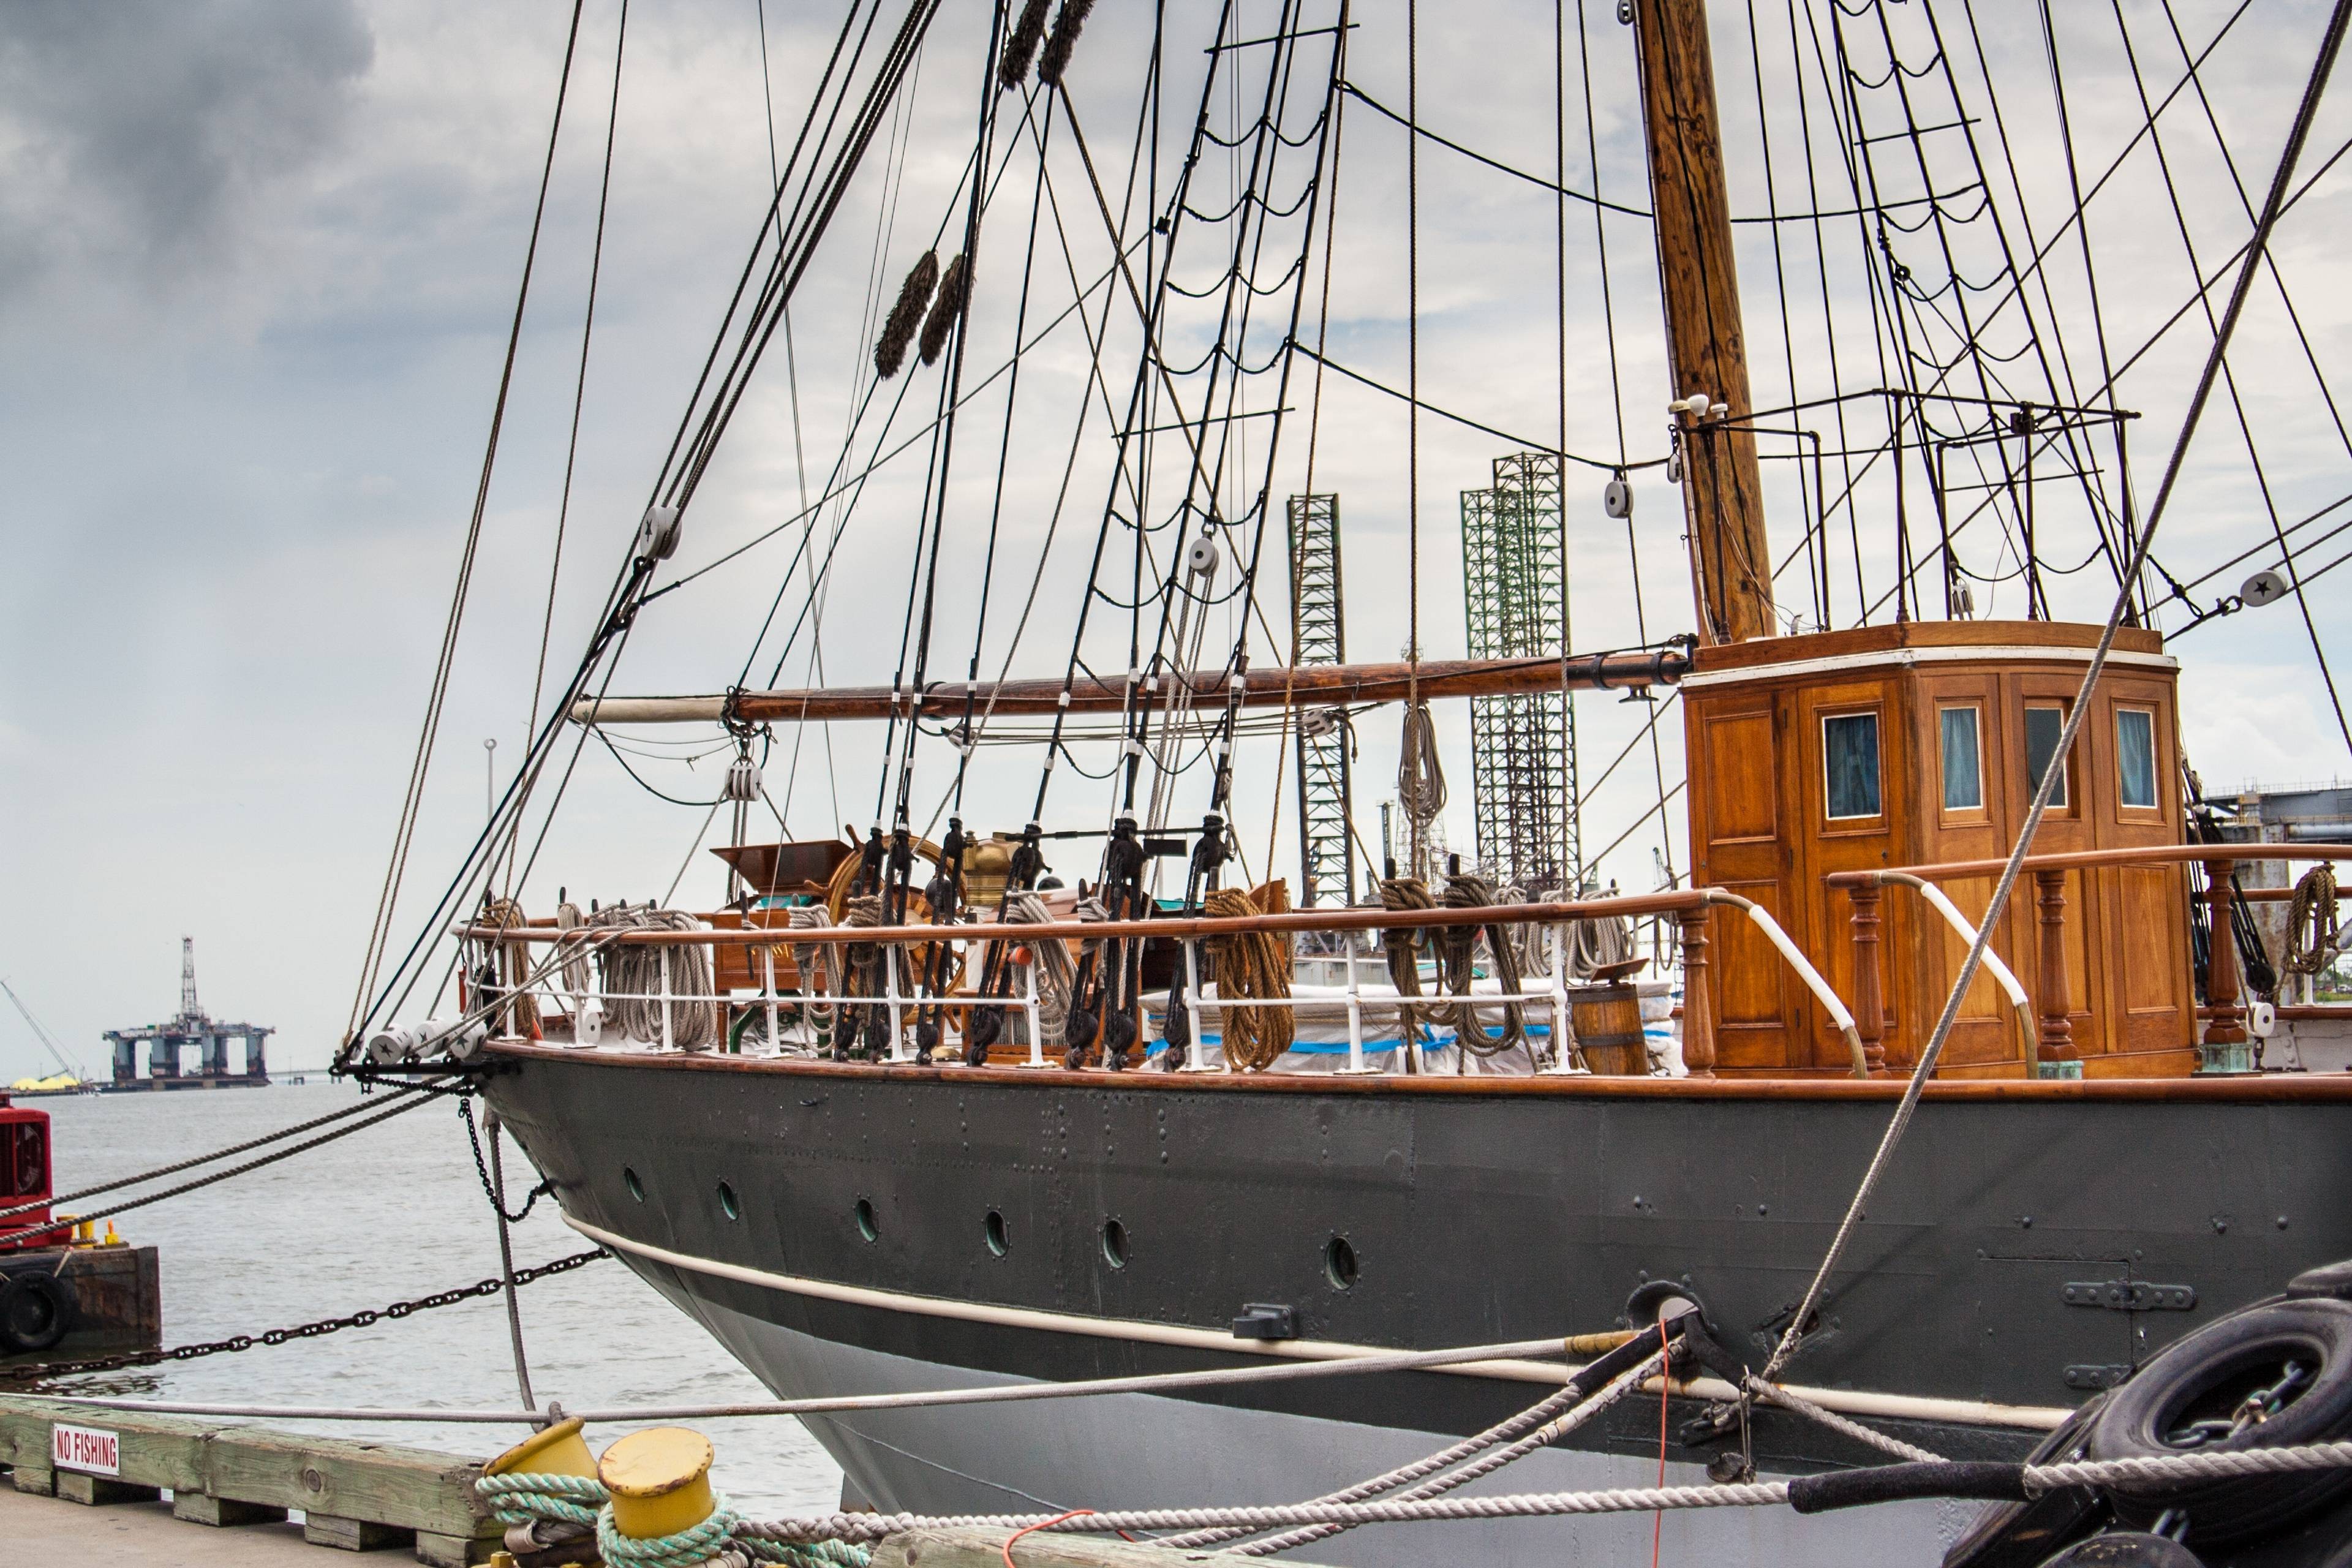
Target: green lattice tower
(1522, 749)
(1325, 796)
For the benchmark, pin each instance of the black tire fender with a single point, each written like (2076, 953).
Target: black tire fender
(36, 1312)
(2022, 1534)
(2202, 1373)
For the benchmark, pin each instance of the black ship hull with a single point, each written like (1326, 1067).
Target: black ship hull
(852, 1229)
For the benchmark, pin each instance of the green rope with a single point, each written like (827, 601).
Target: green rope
(524, 1498)
(527, 1498)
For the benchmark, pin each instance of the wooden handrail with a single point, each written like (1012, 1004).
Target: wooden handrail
(1685, 901)
(2078, 859)
(2224, 1012)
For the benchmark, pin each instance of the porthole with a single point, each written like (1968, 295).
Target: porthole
(1114, 1243)
(629, 1180)
(866, 1226)
(1339, 1263)
(993, 1229)
(726, 1203)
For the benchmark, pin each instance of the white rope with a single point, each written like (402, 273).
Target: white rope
(633, 972)
(1837, 1423)
(2222, 1465)
(1543, 1436)
(865, 1527)
(1278, 1372)
(2037, 1479)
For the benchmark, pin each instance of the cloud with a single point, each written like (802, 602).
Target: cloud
(139, 134)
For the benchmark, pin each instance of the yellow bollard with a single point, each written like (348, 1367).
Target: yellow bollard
(660, 1481)
(558, 1451)
(112, 1239)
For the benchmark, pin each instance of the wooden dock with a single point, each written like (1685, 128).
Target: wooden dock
(357, 1496)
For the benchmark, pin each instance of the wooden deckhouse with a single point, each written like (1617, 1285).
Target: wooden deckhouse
(1920, 743)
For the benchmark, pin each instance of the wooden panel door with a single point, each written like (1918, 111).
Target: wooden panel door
(1736, 758)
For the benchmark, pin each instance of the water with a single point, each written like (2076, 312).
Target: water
(390, 1213)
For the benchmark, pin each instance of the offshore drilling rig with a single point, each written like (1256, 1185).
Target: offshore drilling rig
(167, 1040)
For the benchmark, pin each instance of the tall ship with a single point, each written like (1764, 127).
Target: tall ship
(1929, 1069)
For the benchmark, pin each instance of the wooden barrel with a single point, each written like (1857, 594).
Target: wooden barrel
(1608, 1023)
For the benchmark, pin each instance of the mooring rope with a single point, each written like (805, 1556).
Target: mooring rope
(583, 1503)
(345, 1115)
(1810, 1494)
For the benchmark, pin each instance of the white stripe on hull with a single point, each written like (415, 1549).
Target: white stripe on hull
(1146, 1451)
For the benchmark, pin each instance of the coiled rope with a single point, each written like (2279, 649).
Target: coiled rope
(1253, 965)
(1057, 972)
(1402, 950)
(2311, 931)
(631, 978)
(1458, 948)
(583, 1503)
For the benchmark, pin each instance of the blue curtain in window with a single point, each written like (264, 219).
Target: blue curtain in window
(1963, 768)
(1850, 764)
(2135, 756)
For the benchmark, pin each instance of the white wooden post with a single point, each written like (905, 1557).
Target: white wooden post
(899, 1052)
(662, 950)
(1563, 1033)
(1196, 1054)
(1355, 1010)
(1030, 1011)
(768, 974)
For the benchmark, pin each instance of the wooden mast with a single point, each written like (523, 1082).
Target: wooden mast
(1723, 500)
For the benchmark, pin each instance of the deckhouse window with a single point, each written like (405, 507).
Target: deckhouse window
(2042, 727)
(1850, 765)
(2135, 756)
(1963, 762)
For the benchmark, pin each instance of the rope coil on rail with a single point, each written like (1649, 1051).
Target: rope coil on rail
(638, 972)
(2311, 937)
(1250, 966)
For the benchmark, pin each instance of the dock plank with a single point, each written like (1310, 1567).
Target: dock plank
(404, 1489)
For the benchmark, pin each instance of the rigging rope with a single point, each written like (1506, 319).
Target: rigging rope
(404, 834)
(2322, 67)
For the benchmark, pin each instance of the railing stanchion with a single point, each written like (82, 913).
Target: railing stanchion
(1869, 982)
(891, 993)
(1030, 1010)
(2057, 1034)
(1698, 1026)
(1196, 1051)
(662, 950)
(2227, 1027)
(768, 979)
(1563, 1032)
(1356, 1063)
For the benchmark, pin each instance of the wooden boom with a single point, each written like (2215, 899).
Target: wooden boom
(1305, 685)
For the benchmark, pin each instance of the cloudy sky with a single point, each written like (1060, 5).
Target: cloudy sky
(257, 259)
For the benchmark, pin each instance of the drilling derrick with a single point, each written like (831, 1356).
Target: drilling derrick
(1327, 868)
(1522, 749)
